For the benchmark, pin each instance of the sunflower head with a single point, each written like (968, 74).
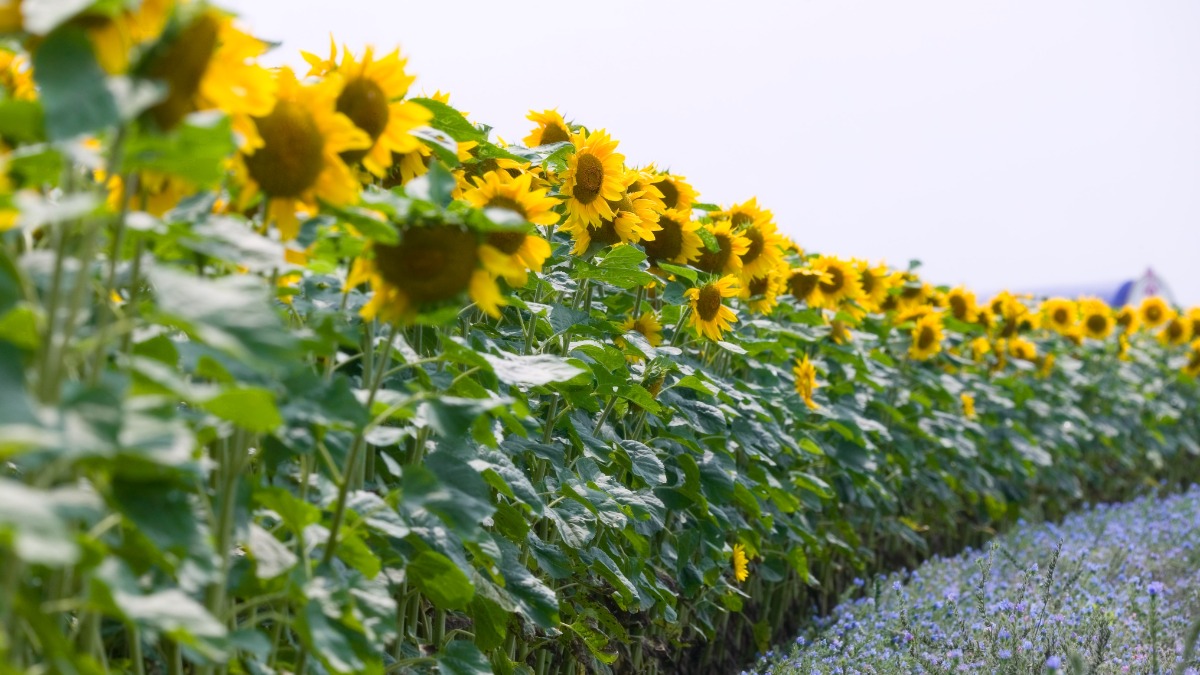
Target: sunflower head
(1177, 331)
(968, 405)
(676, 240)
(371, 89)
(1129, 319)
(731, 246)
(980, 348)
(876, 283)
(840, 283)
(927, 336)
(1193, 317)
(1154, 312)
(676, 192)
(551, 128)
(648, 325)
(740, 563)
(762, 293)
(1192, 367)
(710, 316)
(1097, 319)
(806, 380)
(181, 66)
(1059, 314)
(802, 283)
(1022, 349)
(595, 177)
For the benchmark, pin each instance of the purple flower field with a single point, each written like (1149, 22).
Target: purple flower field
(1112, 589)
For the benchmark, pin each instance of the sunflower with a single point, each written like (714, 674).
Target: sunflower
(156, 194)
(1177, 331)
(1129, 320)
(806, 380)
(1192, 367)
(876, 282)
(1123, 347)
(676, 191)
(595, 177)
(16, 76)
(731, 246)
(710, 317)
(631, 219)
(1045, 365)
(1023, 349)
(551, 128)
(299, 160)
(762, 293)
(429, 266)
(927, 336)
(512, 253)
(115, 35)
(962, 304)
(370, 91)
(913, 292)
(802, 283)
(968, 405)
(676, 241)
(741, 564)
(979, 348)
(642, 181)
(840, 285)
(1154, 312)
(1193, 316)
(757, 225)
(1097, 319)
(408, 165)
(1059, 314)
(647, 324)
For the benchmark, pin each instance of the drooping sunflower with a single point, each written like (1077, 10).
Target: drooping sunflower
(710, 317)
(676, 240)
(595, 177)
(1154, 312)
(876, 281)
(1059, 314)
(1177, 331)
(551, 128)
(676, 191)
(429, 266)
(968, 405)
(806, 380)
(731, 246)
(1097, 319)
(741, 564)
(1129, 320)
(371, 89)
(927, 336)
(1021, 348)
(299, 161)
(802, 283)
(757, 225)
(840, 285)
(647, 324)
(762, 293)
(962, 304)
(511, 254)
(1192, 367)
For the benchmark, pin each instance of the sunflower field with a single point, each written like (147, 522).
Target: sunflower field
(303, 372)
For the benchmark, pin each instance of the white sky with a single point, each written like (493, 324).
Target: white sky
(1014, 143)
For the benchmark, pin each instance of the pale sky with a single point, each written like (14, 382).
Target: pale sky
(1014, 143)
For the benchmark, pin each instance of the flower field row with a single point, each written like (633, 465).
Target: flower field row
(1115, 589)
(305, 373)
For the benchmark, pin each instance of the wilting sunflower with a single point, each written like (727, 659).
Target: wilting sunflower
(1129, 320)
(962, 304)
(968, 405)
(840, 285)
(731, 246)
(299, 160)
(676, 191)
(1097, 321)
(676, 240)
(511, 254)
(1023, 349)
(710, 317)
(631, 219)
(757, 225)
(806, 380)
(762, 293)
(1154, 312)
(741, 564)
(647, 324)
(1177, 331)
(875, 281)
(1059, 314)
(428, 266)
(802, 283)
(595, 177)
(927, 336)
(369, 96)
(1192, 367)
(551, 128)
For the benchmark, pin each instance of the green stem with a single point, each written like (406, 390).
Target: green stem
(128, 184)
(612, 402)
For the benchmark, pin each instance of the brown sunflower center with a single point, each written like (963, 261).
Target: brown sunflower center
(926, 337)
(605, 234)
(1194, 360)
(554, 134)
(837, 279)
(1175, 331)
(715, 261)
(670, 193)
(802, 285)
(508, 242)
(589, 178)
(958, 307)
(667, 243)
(758, 286)
(757, 244)
(292, 155)
(1097, 323)
(505, 202)
(1061, 316)
(363, 101)
(910, 292)
(1153, 314)
(430, 264)
(708, 305)
(741, 218)
(1124, 319)
(867, 279)
(182, 66)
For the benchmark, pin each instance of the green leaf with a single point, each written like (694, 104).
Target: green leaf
(70, 82)
(451, 121)
(710, 241)
(251, 408)
(38, 534)
(532, 371)
(597, 642)
(461, 657)
(271, 557)
(446, 586)
(10, 283)
(195, 152)
(490, 622)
(533, 598)
(646, 464)
(163, 513)
(621, 267)
(22, 121)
